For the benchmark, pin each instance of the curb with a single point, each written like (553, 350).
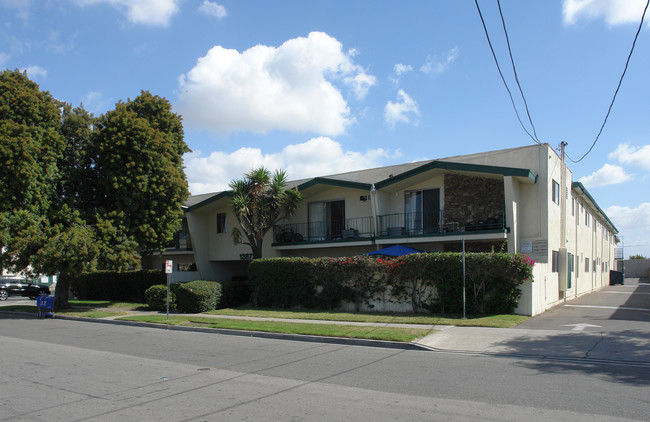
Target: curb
(243, 333)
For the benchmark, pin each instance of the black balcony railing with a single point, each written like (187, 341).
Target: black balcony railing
(388, 225)
(323, 231)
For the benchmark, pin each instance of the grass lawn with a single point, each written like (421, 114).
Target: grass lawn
(134, 306)
(330, 330)
(494, 321)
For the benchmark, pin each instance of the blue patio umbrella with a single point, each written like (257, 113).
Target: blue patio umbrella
(396, 250)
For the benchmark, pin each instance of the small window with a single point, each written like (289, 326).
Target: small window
(555, 258)
(221, 222)
(573, 207)
(586, 218)
(556, 192)
(586, 265)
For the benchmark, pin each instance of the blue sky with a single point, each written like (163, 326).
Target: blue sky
(320, 87)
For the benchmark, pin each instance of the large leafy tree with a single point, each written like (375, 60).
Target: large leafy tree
(30, 146)
(77, 193)
(259, 201)
(139, 166)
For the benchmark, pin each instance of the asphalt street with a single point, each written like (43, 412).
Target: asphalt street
(80, 371)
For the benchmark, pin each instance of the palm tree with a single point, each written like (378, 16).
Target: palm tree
(259, 201)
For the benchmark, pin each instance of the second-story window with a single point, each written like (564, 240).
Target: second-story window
(221, 222)
(556, 192)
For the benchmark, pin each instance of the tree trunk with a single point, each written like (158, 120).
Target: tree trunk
(256, 248)
(61, 292)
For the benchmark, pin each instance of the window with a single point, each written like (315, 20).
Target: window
(555, 261)
(573, 206)
(326, 220)
(221, 222)
(556, 192)
(586, 218)
(593, 265)
(422, 211)
(586, 265)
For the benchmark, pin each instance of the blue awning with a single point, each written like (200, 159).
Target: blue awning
(396, 250)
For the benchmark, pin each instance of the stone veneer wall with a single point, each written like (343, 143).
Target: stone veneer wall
(469, 200)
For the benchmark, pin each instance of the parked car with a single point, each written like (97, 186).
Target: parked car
(21, 287)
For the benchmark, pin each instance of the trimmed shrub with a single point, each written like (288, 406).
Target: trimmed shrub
(110, 285)
(156, 298)
(234, 294)
(428, 281)
(198, 296)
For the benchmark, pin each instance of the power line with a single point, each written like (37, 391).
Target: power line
(514, 70)
(487, 35)
(627, 62)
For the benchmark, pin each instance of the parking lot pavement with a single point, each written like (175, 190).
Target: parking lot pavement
(17, 300)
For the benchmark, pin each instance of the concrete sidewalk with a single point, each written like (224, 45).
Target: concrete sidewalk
(621, 347)
(630, 347)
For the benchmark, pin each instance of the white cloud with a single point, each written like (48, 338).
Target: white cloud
(317, 157)
(401, 69)
(290, 87)
(399, 111)
(607, 175)
(145, 12)
(21, 6)
(615, 12)
(636, 156)
(212, 9)
(4, 58)
(93, 101)
(634, 225)
(35, 72)
(435, 65)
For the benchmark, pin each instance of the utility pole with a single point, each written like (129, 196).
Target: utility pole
(563, 263)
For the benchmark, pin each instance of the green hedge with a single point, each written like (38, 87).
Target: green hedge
(198, 296)
(234, 294)
(109, 285)
(428, 281)
(156, 297)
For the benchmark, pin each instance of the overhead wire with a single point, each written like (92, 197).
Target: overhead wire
(620, 81)
(487, 35)
(514, 70)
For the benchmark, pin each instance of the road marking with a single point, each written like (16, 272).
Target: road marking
(623, 308)
(581, 327)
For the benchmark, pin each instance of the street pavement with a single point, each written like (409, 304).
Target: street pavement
(609, 325)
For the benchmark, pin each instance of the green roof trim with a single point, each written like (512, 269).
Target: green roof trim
(448, 165)
(210, 200)
(581, 187)
(334, 182)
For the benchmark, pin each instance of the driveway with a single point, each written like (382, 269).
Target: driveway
(612, 309)
(610, 326)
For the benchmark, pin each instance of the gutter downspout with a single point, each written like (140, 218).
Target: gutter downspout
(373, 197)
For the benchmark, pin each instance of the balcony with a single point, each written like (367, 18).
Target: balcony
(350, 229)
(398, 225)
(433, 224)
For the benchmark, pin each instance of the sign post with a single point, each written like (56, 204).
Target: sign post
(464, 306)
(169, 265)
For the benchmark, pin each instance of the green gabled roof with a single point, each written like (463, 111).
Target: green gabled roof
(364, 179)
(581, 187)
(209, 200)
(448, 165)
(334, 182)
